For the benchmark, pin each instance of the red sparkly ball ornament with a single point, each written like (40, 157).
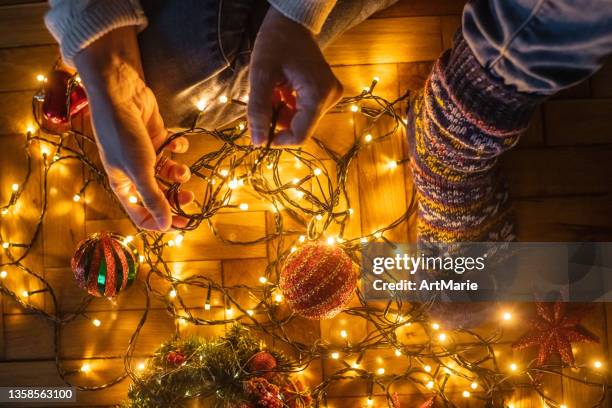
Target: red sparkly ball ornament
(284, 100)
(262, 363)
(63, 96)
(318, 280)
(175, 358)
(105, 264)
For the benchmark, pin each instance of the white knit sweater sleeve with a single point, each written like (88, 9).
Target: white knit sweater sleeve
(77, 23)
(310, 13)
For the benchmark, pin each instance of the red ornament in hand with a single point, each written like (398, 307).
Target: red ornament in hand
(175, 358)
(64, 97)
(318, 280)
(262, 363)
(283, 100)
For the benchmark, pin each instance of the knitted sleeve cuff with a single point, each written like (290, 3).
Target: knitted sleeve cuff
(309, 13)
(480, 94)
(77, 23)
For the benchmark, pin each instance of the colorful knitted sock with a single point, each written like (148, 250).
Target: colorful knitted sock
(459, 124)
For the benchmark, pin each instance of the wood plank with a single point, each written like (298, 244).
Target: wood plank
(450, 25)
(389, 40)
(15, 112)
(559, 171)
(27, 337)
(534, 135)
(22, 25)
(601, 82)
(578, 122)
(356, 77)
(412, 76)
(579, 91)
(411, 8)
(565, 219)
(19, 66)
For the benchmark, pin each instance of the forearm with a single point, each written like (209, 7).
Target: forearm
(461, 122)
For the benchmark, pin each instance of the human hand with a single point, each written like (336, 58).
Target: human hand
(286, 55)
(129, 130)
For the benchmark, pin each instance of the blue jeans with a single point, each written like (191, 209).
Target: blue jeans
(539, 46)
(199, 50)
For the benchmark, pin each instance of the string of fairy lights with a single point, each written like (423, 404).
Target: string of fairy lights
(450, 364)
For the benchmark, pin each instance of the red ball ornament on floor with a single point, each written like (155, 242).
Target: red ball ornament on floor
(318, 280)
(262, 363)
(104, 264)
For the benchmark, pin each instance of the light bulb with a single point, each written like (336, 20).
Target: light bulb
(133, 199)
(392, 164)
(44, 151)
(562, 406)
(6, 245)
(241, 126)
(466, 394)
(398, 352)
(331, 241)
(278, 298)
(364, 240)
(201, 104)
(3, 274)
(343, 334)
(96, 322)
(233, 184)
(370, 401)
(224, 172)
(243, 206)
(510, 405)
(207, 306)
(474, 385)
(354, 108)
(229, 311)
(263, 279)
(317, 172)
(380, 371)
(435, 326)
(76, 198)
(430, 384)
(141, 258)
(368, 138)
(250, 312)
(302, 238)
(507, 316)
(128, 239)
(172, 293)
(293, 249)
(376, 79)
(4, 211)
(442, 337)
(335, 355)
(30, 129)
(25, 294)
(141, 366)
(223, 99)
(513, 367)
(15, 187)
(356, 365)
(85, 368)
(597, 364)
(40, 77)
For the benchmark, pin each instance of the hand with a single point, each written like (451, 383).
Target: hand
(286, 54)
(129, 129)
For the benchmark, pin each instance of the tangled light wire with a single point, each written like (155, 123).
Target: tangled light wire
(317, 202)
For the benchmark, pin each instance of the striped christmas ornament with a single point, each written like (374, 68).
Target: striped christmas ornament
(318, 280)
(104, 264)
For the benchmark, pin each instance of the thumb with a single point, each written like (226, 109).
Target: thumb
(259, 110)
(154, 199)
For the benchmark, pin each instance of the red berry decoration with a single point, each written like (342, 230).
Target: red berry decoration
(64, 97)
(284, 100)
(262, 363)
(318, 280)
(175, 358)
(105, 264)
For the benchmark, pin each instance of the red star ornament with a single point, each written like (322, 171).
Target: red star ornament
(554, 329)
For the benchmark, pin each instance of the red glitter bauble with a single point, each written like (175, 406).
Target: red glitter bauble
(284, 99)
(105, 264)
(175, 358)
(318, 280)
(262, 363)
(64, 97)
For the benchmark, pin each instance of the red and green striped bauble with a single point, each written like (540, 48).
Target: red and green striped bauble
(318, 280)
(104, 264)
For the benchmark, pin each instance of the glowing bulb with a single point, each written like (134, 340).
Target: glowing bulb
(295, 181)
(368, 138)
(96, 322)
(6, 245)
(331, 241)
(133, 199)
(244, 206)
(223, 99)
(207, 306)
(392, 164)
(370, 401)
(229, 311)
(141, 258)
(430, 384)
(3, 274)
(263, 279)
(442, 337)
(510, 405)
(507, 316)
(278, 298)
(293, 249)
(513, 367)
(356, 365)
(30, 129)
(178, 240)
(250, 312)
(233, 184)
(435, 326)
(335, 355)
(466, 394)
(85, 368)
(302, 238)
(562, 406)
(25, 294)
(474, 385)
(76, 198)
(380, 371)
(44, 151)
(224, 172)
(141, 366)
(376, 79)
(319, 217)
(343, 334)
(597, 364)
(354, 108)
(299, 194)
(351, 211)
(4, 211)
(427, 368)
(129, 239)
(77, 79)
(201, 104)
(398, 352)
(15, 187)
(364, 240)
(378, 235)
(317, 172)
(172, 293)
(40, 77)
(241, 126)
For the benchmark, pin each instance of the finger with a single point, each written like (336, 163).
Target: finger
(153, 199)
(178, 145)
(174, 172)
(259, 110)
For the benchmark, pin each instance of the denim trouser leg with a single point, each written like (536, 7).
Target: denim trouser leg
(539, 46)
(199, 50)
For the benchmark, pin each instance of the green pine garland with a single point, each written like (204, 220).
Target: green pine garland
(214, 370)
